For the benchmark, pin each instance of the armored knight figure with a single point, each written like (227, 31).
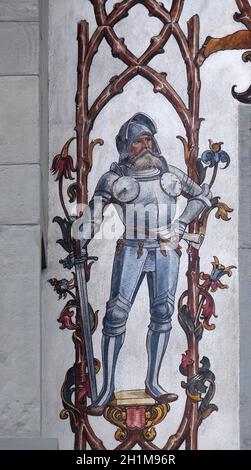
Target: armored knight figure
(144, 189)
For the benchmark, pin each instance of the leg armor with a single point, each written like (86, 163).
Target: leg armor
(111, 346)
(162, 286)
(126, 279)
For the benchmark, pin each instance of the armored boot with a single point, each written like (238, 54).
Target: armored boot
(111, 346)
(156, 346)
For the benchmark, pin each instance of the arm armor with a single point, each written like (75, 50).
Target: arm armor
(200, 196)
(89, 224)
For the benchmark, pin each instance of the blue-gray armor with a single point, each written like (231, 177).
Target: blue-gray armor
(146, 200)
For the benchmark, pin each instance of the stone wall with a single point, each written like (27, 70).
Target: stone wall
(22, 213)
(245, 273)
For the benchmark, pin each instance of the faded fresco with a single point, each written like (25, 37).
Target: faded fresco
(161, 208)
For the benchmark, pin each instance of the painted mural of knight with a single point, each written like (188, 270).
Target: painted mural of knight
(145, 189)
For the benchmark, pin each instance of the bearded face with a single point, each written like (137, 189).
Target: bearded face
(146, 160)
(142, 153)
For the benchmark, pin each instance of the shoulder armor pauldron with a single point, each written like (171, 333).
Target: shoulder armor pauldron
(171, 184)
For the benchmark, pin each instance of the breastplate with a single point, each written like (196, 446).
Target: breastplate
(148, 200)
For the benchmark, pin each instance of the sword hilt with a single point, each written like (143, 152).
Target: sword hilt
(92, 258)
(83, 258)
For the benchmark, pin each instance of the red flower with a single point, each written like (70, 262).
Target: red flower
(207, 281)
(62, 164)
(213, 280)
(218, 284)
(208, 310)
(66, 320)
(186, 360)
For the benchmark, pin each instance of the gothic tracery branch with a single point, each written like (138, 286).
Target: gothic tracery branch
(161, 85)
(159, 10)
(115, 87)
(157, 44)
(117, 44)
(176, 9)
(120, 50)
(245, 13)
(120, 11)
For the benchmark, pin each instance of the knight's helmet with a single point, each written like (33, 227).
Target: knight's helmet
(139, 124)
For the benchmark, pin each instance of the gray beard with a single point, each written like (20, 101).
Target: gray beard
(146, 160)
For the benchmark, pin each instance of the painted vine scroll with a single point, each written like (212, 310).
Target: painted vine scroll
(136, 415)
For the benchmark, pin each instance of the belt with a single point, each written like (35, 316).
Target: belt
(141, 244)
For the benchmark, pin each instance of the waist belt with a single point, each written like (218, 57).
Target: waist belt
(148, 244)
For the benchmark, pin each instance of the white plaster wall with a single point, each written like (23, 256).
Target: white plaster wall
(219, 73)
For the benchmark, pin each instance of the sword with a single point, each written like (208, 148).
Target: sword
(84, 311)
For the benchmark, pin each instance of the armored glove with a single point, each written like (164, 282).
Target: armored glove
(179, 228)
(172, 232)
(70, 260)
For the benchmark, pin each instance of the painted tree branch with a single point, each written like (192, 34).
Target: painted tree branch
(115, 87)
(242, 97)
(117, 44)
(120, 11)
(176, 10)
(155, 9)
(100, 13)
(94, 442)
(193, 26)
(158, 10)
(194, 83)
(161, 85)
(188, 429)
(157, 44)
(81, 109)
(245, 13)
(176, 440)
(157, 79)
(119, 48)
(238, 40)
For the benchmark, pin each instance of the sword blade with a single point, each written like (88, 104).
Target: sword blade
(84, 310)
